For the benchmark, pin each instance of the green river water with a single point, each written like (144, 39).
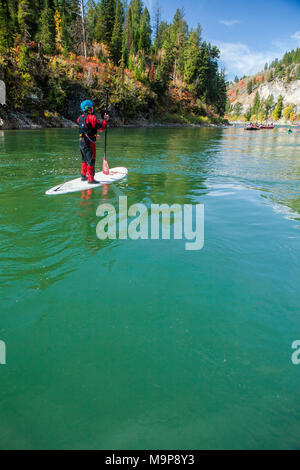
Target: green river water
(141, 344)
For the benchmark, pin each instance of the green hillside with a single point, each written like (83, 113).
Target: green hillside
(53, 54)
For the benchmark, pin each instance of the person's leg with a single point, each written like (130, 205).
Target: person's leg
(91, 155)
(93, 148)
(83, 165)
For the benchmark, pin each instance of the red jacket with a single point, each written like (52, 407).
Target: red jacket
(93, 124)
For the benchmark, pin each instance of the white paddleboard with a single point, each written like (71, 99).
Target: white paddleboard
(115, 174)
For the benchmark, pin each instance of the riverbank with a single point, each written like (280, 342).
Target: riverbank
(12, 119)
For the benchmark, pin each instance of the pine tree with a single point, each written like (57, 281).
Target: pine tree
(256, 104)
(164, 69)
(26, 19)
(207, 69)
(135, 13)
(191, 59)
(106, 20)
(47, 33)
(248, 114)
(157, 21)
(178, 36)
(71, 29)
(237, 109)
(249, 87)
(221, 98)
(117, 35)
(5, 27)
(268, 105)
(161, 35)
(278, 109)
(228, 107)
(13, 16)
(91, 20)
(145, 32)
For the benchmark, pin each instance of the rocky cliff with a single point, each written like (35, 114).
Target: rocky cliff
(289, 91)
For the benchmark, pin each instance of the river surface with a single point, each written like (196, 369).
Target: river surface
(142, 344)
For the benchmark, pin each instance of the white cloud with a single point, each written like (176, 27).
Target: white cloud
(240, 60)
(296, 36)
(229, 22)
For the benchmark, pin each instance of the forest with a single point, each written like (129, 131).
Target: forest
(55, 52)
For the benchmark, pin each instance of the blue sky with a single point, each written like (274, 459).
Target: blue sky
(248, 33)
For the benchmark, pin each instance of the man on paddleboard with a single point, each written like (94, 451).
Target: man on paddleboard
(88, 128)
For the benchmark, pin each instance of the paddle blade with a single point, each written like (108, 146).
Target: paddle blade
(105, 167)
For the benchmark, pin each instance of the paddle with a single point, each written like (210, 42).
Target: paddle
(105, 167)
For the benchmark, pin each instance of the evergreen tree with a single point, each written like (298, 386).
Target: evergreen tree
(105, 22)
(161, 35)
(237, 109)
(249, 87)
(91, 20)
(207, 79)
(221, 98)
(26, 19)
(145, 32)
(157, 21)
(278, 109)
(178, 36)
(12, 16)
(117, 35)
(191, 59)
(256, 104)
(164, 69)
(268, 105)
(71, 29)
(5, 27)
(248, 114)
(135, 8)
(47, 33)
(228, 106)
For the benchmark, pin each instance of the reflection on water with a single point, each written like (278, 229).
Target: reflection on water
(44, 238)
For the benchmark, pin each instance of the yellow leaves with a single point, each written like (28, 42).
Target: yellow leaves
(57, 19)
(26, 77)
(49, 114)
(58, 29)
(288, 110)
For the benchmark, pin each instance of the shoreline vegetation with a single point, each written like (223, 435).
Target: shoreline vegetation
(53, 55)
(13, 120)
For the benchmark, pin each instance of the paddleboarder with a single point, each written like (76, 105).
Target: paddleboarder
(89, 125)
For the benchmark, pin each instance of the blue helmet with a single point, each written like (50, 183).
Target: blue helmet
(85, 105)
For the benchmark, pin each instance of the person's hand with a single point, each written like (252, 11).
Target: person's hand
(106, 117)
